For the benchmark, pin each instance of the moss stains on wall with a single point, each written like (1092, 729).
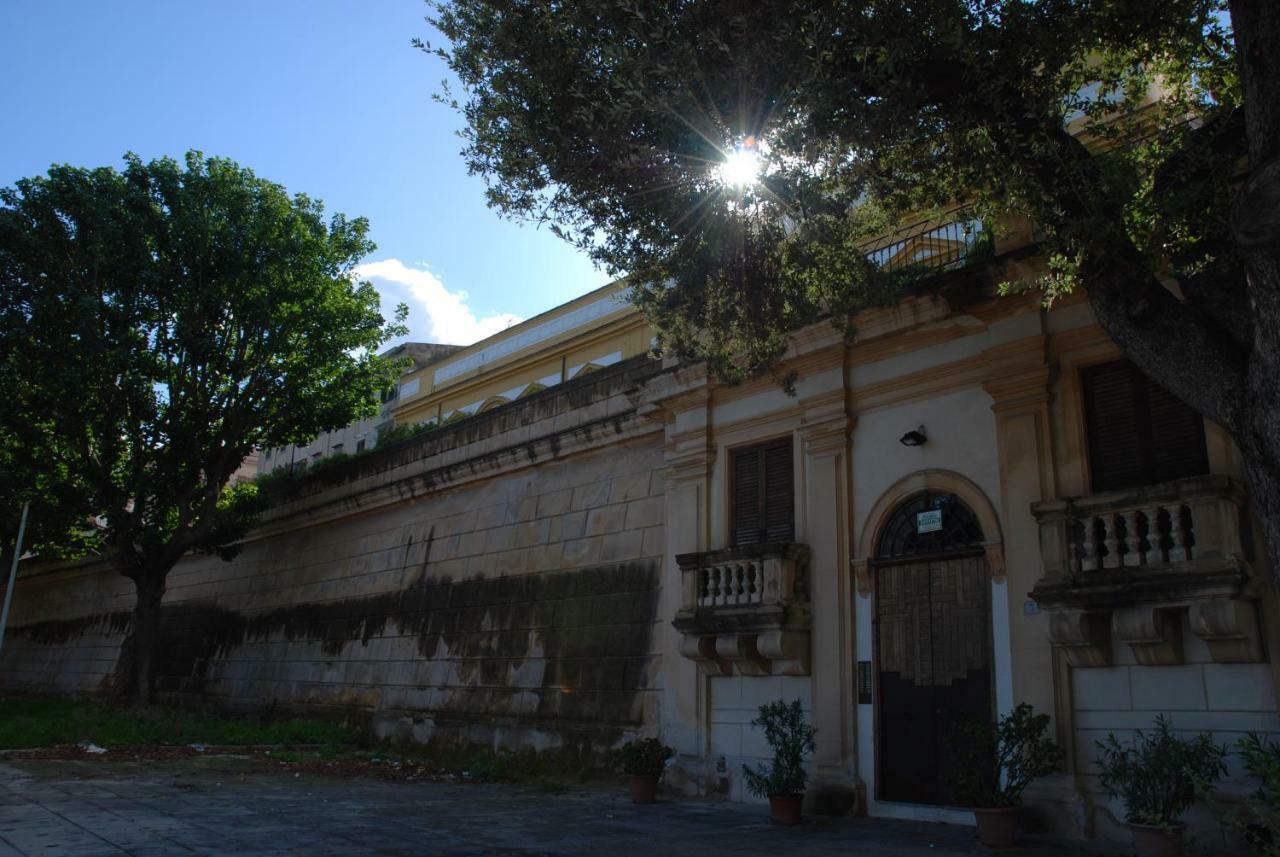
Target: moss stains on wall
(561, 646)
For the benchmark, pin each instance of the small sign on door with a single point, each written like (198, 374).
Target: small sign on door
(929, 522)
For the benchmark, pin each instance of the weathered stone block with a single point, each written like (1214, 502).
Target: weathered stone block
(569, 526)
(618, 547)
(646, 512)
(500, 539)
(532, 533)
(590, 495)
(585, 551)
(631, 486)
(555, 503)
(606, 519)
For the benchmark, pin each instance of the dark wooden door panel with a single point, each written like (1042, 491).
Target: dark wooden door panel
(933, 639)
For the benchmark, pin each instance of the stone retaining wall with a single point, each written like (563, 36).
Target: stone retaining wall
(494, 582)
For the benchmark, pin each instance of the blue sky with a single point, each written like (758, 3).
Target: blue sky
(322, 96)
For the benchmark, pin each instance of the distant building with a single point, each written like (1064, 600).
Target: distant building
(599, 329)
(362, 435)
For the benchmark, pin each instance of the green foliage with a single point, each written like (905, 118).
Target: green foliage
(1261, 826)
(1157, 774)
(996, 761)
(642, 757)
(404, 431)
(161, 322)
(27, 721)
(790, 736)
(608, 121)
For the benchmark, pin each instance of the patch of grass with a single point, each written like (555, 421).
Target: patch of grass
(42, 721)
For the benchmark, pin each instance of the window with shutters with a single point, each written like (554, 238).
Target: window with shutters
(1138, 433)
(763, 496)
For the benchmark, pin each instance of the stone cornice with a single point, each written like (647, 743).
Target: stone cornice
(1018, 374)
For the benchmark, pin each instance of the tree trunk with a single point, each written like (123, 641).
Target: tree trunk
(149, 584)
(1255, 226)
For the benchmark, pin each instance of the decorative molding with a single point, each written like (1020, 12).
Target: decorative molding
(1018, 374)
(930, 480)
(923, 384)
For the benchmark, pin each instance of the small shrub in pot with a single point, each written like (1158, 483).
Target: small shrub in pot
(1158, 776)
(644, 760)
(790, 736)
(996, 763)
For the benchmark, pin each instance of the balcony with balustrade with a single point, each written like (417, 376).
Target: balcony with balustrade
(1122, 566)
(746, 609)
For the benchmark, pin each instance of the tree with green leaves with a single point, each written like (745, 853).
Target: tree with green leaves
(1142, 139)
(157, 324)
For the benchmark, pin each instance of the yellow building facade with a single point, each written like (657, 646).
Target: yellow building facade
(589, 333)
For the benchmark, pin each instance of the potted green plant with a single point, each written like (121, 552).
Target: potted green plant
(643, 760)
(994, 765)
(790, 737)
(1158, 776)
(1261, 823)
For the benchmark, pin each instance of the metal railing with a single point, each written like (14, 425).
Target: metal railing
(929, 246)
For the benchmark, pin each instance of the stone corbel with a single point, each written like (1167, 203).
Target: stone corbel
(1229, 627)
(862, 576)
(740, 651)
(702, 650)
(787, 651)
(1083, 636)
(1154, 634)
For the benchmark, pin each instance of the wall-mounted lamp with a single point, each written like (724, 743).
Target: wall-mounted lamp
(915, 437)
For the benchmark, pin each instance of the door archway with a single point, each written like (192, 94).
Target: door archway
(933, 651)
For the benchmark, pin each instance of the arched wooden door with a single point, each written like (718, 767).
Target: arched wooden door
(933, 644)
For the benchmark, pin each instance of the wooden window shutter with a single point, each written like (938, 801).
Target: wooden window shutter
(779, 494)
(1138, 433)
(762, 493)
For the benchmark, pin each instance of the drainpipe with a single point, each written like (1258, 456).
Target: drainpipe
(13, 571)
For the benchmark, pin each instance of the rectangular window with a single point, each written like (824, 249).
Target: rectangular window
(360, 446)
(762, 493)
(1138, 433)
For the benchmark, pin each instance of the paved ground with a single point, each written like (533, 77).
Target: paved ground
(231, 807)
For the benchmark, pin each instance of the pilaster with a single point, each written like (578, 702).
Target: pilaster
(824, 443)
(1018, 380)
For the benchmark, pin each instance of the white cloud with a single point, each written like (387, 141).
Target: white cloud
(435, 313)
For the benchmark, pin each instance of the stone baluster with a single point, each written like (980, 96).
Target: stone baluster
(1178, 548)
(1110, 541)
(735, 587)
(1088, 546)
(1132, 541)
(753, 588)
(1155, 548)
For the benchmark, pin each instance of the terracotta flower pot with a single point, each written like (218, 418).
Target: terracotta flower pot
(644, 788)
(1157, 840)
(997, 825)
(785, 809)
